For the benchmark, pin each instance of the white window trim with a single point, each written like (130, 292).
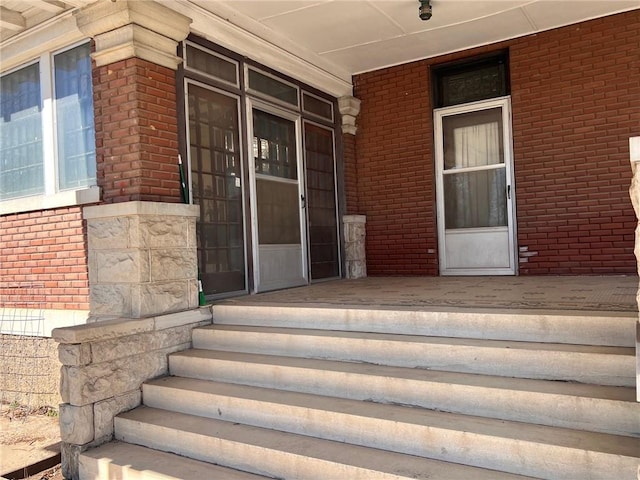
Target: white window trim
(52, 197)
(67, 198)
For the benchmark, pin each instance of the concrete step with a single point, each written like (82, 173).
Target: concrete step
(280, 454)
(580, 327)
(519, 448)
(125, 461)
(578, 406)
(599, 365)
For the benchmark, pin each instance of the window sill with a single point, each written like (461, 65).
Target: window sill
(47, 202)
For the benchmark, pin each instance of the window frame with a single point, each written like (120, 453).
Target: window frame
(52, 196)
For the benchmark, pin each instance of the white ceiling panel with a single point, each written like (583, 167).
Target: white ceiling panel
(335, 25)
(445, 12)
(551, 14)
(432, 43)
(264, 9)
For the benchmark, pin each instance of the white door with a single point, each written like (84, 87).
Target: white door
(474, 185)
(277, 199)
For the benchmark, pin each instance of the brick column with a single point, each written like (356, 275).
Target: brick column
(135, 103)
(134, 85)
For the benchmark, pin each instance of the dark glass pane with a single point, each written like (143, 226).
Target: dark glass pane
(321, 202)
(274, 145)
(217, 187)
(213, 65)
(318, 107)
(272, 87)
(472, 80)
(278, 212)
(475, 199)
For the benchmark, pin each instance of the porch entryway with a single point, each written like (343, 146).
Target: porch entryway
(396, 378)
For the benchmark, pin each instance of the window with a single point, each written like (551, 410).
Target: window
(216, 66)
(278, 90)
(47, 134)
(471, 80)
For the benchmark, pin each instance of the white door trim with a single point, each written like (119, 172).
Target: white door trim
(252, 104)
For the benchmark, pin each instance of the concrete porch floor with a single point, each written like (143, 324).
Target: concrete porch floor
(549, 293)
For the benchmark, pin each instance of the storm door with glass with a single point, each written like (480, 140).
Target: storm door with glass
(475, 189)
(277, 200)
(216, 185)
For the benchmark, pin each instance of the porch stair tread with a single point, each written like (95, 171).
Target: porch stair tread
(435, 340)
(565, 404)
(341, 400)
(282, 454)
(305, 414)
(556, 326)
(126, 461)
(605, 365)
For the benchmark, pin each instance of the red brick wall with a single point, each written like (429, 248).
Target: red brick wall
(136, 131)
(395, 170)
(575, 100)
(45, 249)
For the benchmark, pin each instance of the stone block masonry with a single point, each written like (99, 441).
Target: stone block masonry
(142, 259)
(354, 246)
(104, 365)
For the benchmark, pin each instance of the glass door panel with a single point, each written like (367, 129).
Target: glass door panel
(321, 202)
(278, 212)
(216, 185)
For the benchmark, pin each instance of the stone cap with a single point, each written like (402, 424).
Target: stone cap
(122, 327)
(140, 208)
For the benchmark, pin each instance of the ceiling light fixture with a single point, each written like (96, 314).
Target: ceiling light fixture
(425, 10)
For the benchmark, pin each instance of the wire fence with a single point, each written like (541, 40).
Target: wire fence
(25, 352)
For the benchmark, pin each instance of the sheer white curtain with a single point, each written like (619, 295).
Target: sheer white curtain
(476, 198)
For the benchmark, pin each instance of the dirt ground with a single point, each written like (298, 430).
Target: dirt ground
(27, 437)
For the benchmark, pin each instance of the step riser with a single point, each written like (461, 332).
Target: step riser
(523, 406)
(492, 452)
(614, 329)
(241, 456)
(599, 369)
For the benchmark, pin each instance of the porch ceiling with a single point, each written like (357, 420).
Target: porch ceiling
(363, 35)
(344, 37)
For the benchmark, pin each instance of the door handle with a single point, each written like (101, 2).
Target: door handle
(303, 201)
(508, 192)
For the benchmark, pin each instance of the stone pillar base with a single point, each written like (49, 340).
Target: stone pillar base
(354, 245)
(142, 259)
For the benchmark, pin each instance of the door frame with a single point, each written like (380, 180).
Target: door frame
(296, 118)
(241, 150)
(438, 114)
